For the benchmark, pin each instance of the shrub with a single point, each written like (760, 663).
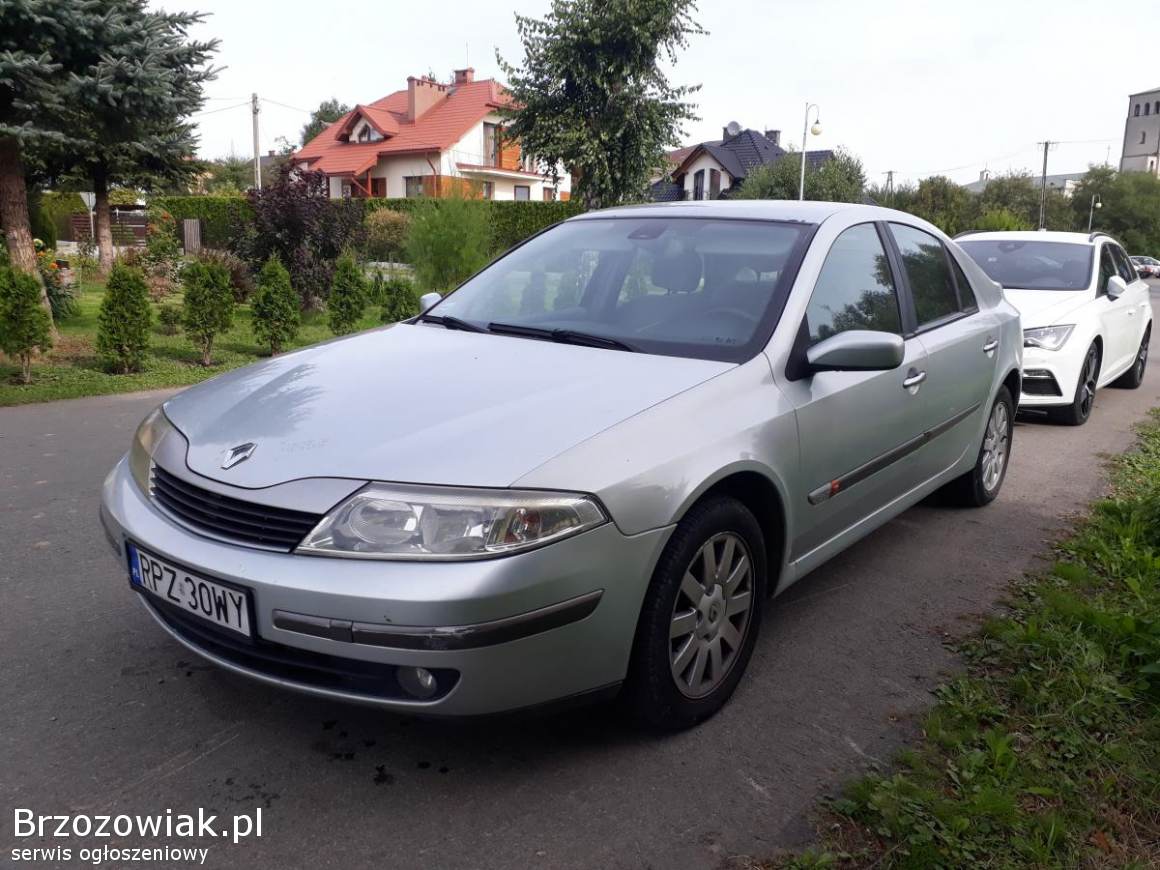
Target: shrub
(386, 234)
(123, 323)
(348, 296)
(24, 324)
(397, 296)
(241, 277)
(275, 309)
(448, 242)
(209, 305)
(169, 316)
(1001, 220)
(162, 253)
(60, 297)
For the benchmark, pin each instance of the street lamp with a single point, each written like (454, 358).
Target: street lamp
(816, 129)
(1092, 210)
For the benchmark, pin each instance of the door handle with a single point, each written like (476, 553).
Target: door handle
(990, 345)
(913, 379)
(1131, 312)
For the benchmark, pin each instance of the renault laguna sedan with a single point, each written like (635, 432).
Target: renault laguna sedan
(581, 472)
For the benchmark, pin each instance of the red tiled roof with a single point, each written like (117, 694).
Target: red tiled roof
(437, 129)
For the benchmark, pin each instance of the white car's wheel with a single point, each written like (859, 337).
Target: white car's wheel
(1080, 409)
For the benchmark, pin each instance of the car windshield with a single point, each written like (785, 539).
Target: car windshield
(708, 289)
(1033, 265)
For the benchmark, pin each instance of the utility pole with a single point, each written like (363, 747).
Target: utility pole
(254, 110)
(1043, 186)
(889, 186)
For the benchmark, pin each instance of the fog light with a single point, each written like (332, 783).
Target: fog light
(418, 682)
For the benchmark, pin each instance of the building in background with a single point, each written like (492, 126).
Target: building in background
(432, 139)
(1141, 152)
(1064, 182)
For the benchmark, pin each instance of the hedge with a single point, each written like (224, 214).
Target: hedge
(511, 221)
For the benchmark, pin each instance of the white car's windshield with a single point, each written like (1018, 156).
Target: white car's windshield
(710, 289)
(1033, 265)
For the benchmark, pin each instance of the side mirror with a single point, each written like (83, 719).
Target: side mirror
(858, 350)
(427, 300)
(1116, 287)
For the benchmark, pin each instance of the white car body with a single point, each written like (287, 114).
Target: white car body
(1107, 306)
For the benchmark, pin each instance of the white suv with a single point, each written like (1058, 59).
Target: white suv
(1086, 314)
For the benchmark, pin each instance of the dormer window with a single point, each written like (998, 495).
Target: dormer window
(364, 135)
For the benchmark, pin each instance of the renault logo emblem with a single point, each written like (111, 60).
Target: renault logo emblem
(238, 454)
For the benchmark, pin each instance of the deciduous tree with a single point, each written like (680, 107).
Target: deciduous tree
(327, 113)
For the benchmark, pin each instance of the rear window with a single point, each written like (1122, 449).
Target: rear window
(1033, 265)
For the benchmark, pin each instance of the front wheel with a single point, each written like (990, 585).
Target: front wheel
(1080, 409)
(981, 484)
(700, 617)
(1133, 377)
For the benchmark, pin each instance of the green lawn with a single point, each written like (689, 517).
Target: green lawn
(1046, 753)
(71, 368)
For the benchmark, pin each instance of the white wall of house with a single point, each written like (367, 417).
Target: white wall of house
(704, 162)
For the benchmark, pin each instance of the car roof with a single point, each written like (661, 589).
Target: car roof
(748, 209)
(1033, 236)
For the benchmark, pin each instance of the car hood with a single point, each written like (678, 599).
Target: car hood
(419, 404)
(1044, 307)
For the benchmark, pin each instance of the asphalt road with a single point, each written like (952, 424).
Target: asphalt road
(102, 713)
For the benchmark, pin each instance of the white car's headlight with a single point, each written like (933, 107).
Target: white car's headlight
(1047, 337)
(400, 521)
(152, 430)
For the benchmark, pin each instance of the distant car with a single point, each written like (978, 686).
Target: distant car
(583, 468)
(1086, 314)
(1148, 267)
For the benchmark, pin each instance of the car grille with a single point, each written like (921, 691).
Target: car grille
(232, 519)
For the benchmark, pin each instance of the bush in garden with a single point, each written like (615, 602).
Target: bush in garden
(241, 277)
(275, 309)
(169, 316)
(123, 323)
(60, 297)
(397, 296)
(24, 324)
(209, 305)
(348, 296)
(161, 255)
(448, 241)
(386, 234)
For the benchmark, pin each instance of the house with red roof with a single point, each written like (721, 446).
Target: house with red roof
(432, 139)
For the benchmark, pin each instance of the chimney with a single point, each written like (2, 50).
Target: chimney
(464, 76)
(774, 136)
(422, 95)
(724, 134)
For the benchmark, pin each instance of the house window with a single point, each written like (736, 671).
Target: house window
(549, 194)
(378, 187)
(1158, 107)
(491, 144)
(1147, 108)
(487, 189)
(1143, 137)
(364, 135)
(414, 185)
(523, 192)
(699, 184)
(1137, 112)
(714, 184)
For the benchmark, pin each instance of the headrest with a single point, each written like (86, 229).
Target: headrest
(678, 273)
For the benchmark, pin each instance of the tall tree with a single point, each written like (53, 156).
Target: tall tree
(590, 93)
(327, 113)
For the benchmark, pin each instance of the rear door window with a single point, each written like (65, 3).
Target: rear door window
(929, 274)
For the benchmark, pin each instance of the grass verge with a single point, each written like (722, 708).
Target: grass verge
(71, 368)
(1046, 753)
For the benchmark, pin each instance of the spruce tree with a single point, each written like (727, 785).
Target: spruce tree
(24, 324)
(275, 307)
(123, 323)
(348, 296)
(208, 307)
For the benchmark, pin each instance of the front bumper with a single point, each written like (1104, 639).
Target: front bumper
(340, 627)
(1049, 376)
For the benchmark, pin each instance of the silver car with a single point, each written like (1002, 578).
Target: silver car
(581, 472)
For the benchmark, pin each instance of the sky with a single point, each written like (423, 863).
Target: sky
(919, 88)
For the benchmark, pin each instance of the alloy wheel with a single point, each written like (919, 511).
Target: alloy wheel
(1088, 383)
(711, 615)
(1142, 359)
(996, 442)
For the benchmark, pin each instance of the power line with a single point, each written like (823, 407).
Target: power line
(286, 106)
(222, 109)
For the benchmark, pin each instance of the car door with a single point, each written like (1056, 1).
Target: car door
(855, 428)
(1134, 303)
(1117, 316)
(961, 343)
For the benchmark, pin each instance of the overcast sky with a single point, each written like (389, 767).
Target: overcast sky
(903, 86)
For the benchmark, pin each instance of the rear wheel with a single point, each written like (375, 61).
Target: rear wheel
(1080, 409)
(1133, 377)
(981, 484)
(700, 617)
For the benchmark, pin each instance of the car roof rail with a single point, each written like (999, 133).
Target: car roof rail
(1099, 233)
(968, 233)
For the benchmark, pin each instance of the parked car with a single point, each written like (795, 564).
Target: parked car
(1086, 314)
(1147, 267)
(581, 472)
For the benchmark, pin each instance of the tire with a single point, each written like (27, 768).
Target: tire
(1080, 409)
(1133, 377)
(664, 689)
(980, 485)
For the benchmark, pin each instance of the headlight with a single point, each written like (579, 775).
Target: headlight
(1047, 337)
(149, 434)
(398, 521)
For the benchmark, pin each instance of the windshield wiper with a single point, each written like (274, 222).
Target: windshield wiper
(562, 336)
(448, 321)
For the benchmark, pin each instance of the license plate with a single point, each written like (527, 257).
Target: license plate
(215, 602)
